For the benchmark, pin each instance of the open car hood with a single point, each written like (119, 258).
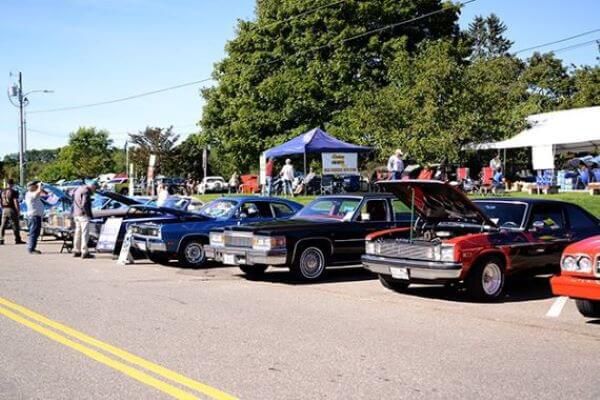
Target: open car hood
(128, 201)
(436, 201)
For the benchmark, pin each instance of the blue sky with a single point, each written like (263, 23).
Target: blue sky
(96, 50)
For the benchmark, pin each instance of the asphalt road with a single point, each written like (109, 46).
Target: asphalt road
(211, 333)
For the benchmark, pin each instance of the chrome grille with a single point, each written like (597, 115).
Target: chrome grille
(404, 249)
(238, 239)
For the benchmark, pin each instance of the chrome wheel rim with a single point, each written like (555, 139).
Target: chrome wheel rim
(312, 263)
(491, 279)
(194, 253)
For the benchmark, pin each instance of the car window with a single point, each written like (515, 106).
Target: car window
(504, 214)
(579, 219)
(281, 210)
(219, 209)
(257, 209)
(375, 210)
(330, 208)
(551, 216)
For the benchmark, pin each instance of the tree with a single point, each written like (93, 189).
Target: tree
(157, 141)
(548, 82)
(586, 82)
(186, 159)
(282, 77)
(487, 37)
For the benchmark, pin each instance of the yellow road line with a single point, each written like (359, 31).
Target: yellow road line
(124, 355)
(101, 358)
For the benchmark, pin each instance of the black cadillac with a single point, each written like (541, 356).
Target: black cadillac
(330, 231)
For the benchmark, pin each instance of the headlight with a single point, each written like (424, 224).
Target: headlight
(216, 239)
(372, 247)
(585, 264)
(154, 232)
(268, 242)
(569, 263)
(444, 253)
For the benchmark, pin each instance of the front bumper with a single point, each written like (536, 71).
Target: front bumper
(416, 270)
(243, 256)
(150, 245)
(576, 287)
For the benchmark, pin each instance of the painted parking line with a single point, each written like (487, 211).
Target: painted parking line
(10, 310)
(557, 307)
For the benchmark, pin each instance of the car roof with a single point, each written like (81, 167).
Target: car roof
(370, 195)
(526, 200)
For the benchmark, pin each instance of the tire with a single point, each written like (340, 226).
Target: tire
(253, 271)
(588, 308)
(486, 280)
(396, 285)
(310, 264)
(191, 253)
(161, 259)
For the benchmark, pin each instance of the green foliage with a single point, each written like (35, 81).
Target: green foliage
(487, 37)
(152, 140)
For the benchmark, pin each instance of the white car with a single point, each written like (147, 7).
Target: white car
(215, 184)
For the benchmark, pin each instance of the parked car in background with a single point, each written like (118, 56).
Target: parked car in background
(213, 184)
(328, 232)
(477, 242)
(580, 276)
(117, 185)
(185, 236)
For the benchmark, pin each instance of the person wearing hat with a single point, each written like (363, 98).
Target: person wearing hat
(10, 212)
(82, 212)
(35, 213)
(395, 165)
(287, 176)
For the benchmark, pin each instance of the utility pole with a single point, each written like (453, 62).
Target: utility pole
(21, 133)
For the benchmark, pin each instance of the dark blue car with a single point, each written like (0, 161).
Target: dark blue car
(185, 238)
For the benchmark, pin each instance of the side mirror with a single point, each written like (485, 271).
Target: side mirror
(242, 215)
(365, 217)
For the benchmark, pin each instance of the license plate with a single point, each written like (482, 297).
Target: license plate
(229, 259)
(399, 273)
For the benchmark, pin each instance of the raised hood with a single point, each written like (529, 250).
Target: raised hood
(436, 201)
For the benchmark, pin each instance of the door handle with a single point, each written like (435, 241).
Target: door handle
(540, 250)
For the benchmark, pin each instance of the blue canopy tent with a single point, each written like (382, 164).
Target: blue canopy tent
(314, 141)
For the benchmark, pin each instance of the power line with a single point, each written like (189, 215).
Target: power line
(330, 44)
(577, 45)
(557, 41)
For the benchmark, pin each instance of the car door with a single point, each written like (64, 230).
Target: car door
(548, 233)
(374, 215)
(254, 211)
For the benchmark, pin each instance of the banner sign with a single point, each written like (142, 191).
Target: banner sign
(125, 256)
(108, 235)
(340, 163)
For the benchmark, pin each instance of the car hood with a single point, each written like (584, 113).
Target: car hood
(56, 192)
(128, 201)
(436, 201)
(590, 246)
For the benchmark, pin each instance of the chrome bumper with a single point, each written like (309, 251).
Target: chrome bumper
(417, 270)
(148, 245)
(241, 256)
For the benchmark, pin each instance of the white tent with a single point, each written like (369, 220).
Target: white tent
(575, 130)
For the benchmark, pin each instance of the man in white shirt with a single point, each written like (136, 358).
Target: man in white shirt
(287, 176)
(395, 165)
(496, 163)
(35, 213)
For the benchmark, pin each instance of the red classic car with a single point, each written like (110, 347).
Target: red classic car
(478, 243)
(580, 276)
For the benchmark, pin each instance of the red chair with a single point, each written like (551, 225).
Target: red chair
(487, 179)
(425, 174)
(462, 174)
(249, 184)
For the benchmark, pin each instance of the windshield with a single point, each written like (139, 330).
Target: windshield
(330, 208)
(219, 209)
(507, 215)
(98, 202)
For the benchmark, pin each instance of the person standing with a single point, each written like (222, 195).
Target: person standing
(82, 211)
(269, 176)
(287, 176)
(163, 195)
(395, 165)
(496, 163)
(10, 212)
(35, 213)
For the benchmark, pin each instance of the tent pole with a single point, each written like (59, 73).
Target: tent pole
(305, 188)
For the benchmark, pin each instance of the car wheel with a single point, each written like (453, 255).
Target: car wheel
(253, 271)
(396, 285)
(486, 280)
(191, 254)
(310, 264)
(161, 259)
(588, 308)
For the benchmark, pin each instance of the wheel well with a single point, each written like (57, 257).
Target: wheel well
(486, 257)
(201, 238)
(323, 244)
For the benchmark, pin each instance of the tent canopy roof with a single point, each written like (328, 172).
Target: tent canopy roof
(314, 141)
(574, 130)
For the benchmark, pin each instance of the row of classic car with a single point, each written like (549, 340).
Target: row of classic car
(410, 232)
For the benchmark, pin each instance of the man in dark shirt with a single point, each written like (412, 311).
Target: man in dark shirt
(82, 212)
(10, 212)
